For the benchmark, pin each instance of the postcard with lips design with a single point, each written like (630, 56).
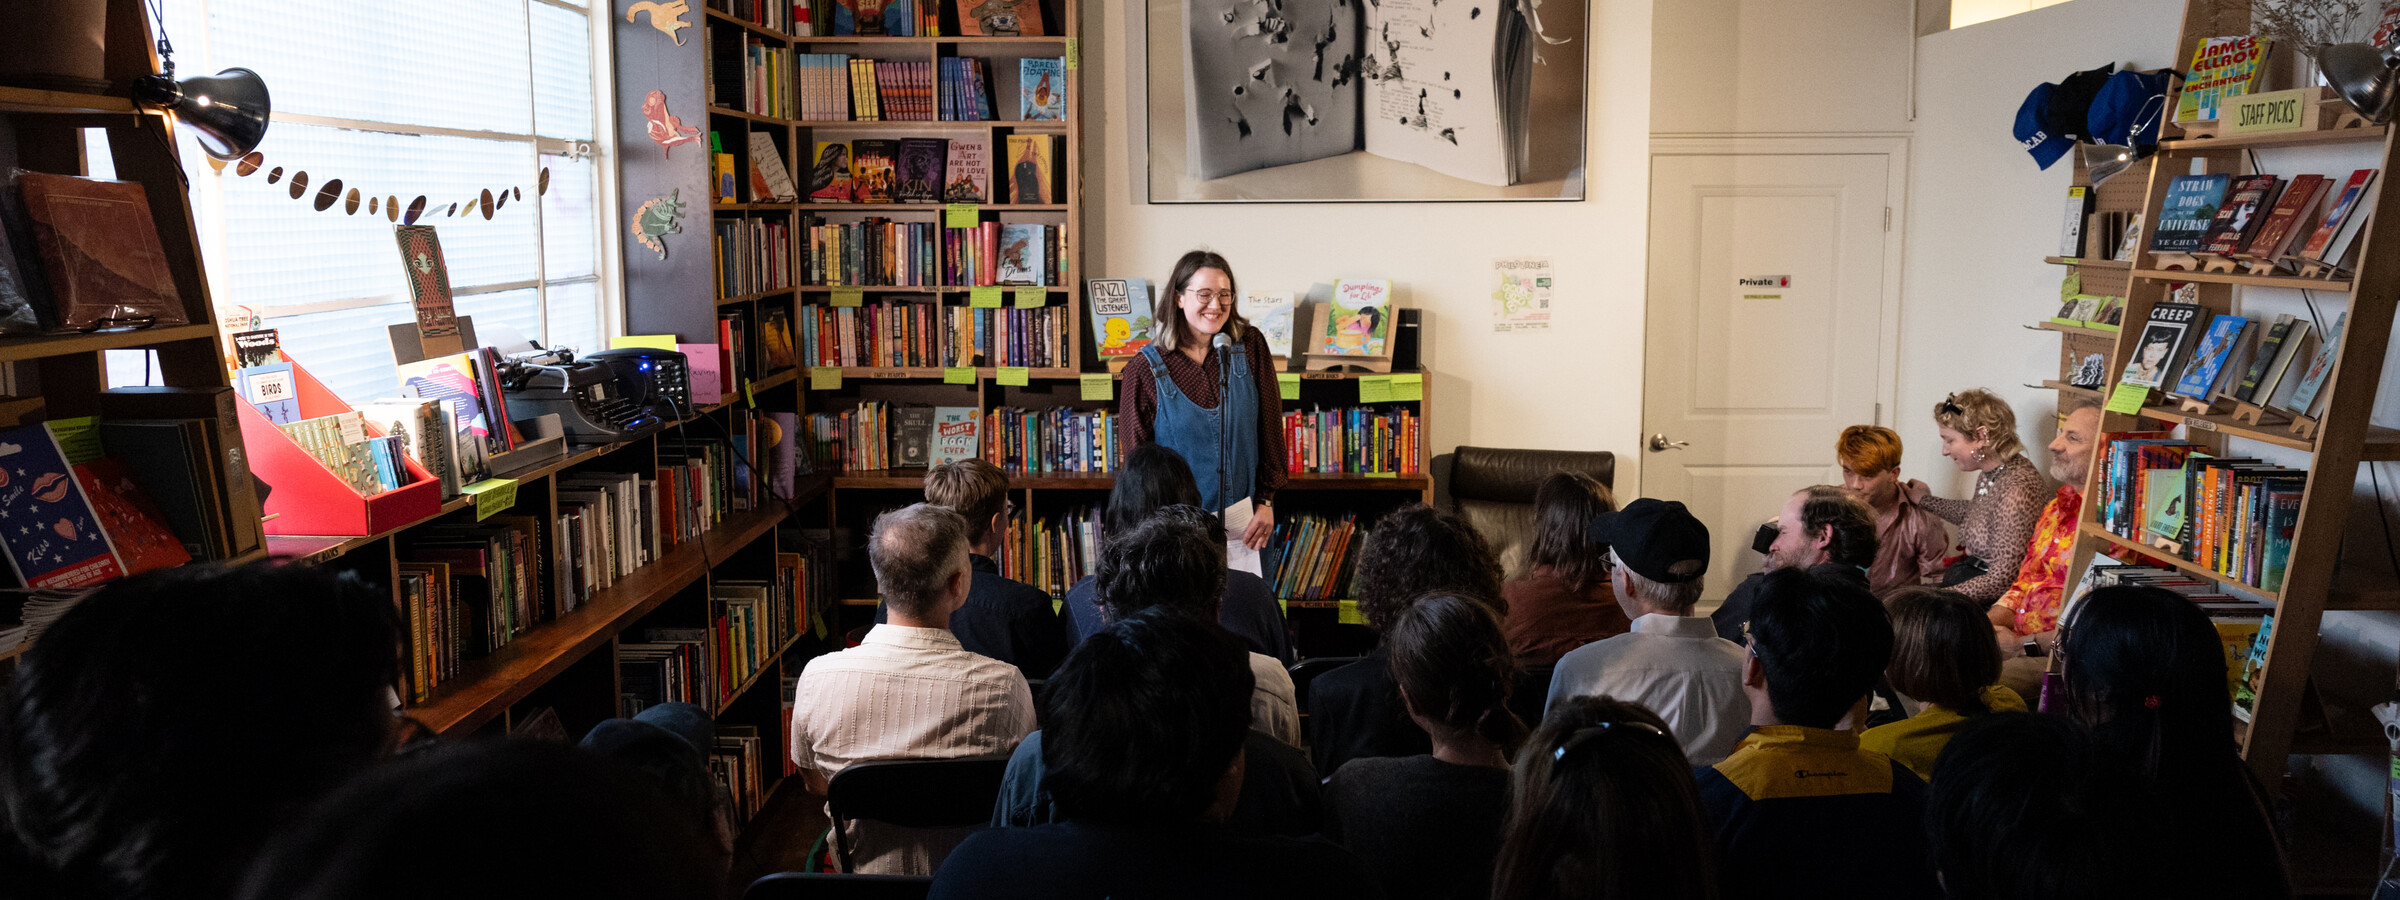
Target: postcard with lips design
(53, 539)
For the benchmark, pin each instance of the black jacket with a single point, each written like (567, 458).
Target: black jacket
(1009, 621)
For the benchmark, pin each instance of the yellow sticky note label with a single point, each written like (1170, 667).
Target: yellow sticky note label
(651, 341)
(1408, 387)
(1074, 54)
(1015, 376)
(824, 378)
(492, 496)
(1383, 474)
(962, 215)
(1057, 606)
(1346, 612)
(1099, 386)
(1031, 297)
(958, 375)
(2128, 399)
(1285, 607)
(1375, 389)
(818, 621)
(849, 297)
(1288, 384)
(749, 393)
(984, 297)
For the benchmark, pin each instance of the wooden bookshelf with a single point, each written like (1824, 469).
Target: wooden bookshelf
(2083, 330)
(2343, 440)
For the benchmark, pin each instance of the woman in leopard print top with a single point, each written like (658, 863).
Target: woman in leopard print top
(1979, 433)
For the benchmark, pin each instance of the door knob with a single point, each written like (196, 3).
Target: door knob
(1659, 442)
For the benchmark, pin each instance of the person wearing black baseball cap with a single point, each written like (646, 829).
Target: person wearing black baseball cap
(1672, 661)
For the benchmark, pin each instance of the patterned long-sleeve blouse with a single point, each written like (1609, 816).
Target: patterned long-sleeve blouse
(1995, 523)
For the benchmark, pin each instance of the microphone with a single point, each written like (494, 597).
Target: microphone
(1221, 340)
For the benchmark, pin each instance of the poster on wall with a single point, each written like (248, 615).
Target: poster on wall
(1334, 100)
(1521, 293)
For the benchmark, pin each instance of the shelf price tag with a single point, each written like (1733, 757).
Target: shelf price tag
(1375, 389)
(1074, 53)
(984, 297)
(1015, 376)
(1031, 297)
(824, 378)
(492, 496)
(849, 297)
(1408, 387)
(1099, 386)
(1346, 612)
(1288, 383)
(958, 375)
(749, 393)
(2128, 399)
(962, 215)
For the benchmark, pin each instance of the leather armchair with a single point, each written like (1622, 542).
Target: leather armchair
(1493, 490)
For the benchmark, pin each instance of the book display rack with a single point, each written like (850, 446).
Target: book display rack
(2302, 453)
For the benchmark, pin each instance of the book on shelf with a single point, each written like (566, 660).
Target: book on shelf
(1056, 439)
(2247, 669)
(1357, 320)
(2107, 314)
(2076, 309)
(2079, 208)
(59, 542)
(2187, 213)
(1273, 314)
(458, 377)
(1042, 89)
(829, 181)
(2207, 360)
(1316, 556)
(2236, 516)
(921, 165)
(2222, 68)
(213, 413)
(2335, 251)
(2296, 344)
(752, 76)
(271, 388)
(776, 350)
(957, 434)
(2338, 213)
(135, 525)
(1352, 440)
(1030, 161)
(170, 459)
(912, 437)
(1024, 255)
(967, 171)
(1000, 18)
(2286, 220)
(103, 263)
(2162, 345)
(753, 255)
(879, 252)
(770, 181)
(739, 759)
(1121, 311)
(2239, 218)
(2312, 380)
(2262, 358)
(1052, 553)
(871, 169)
(422, 429)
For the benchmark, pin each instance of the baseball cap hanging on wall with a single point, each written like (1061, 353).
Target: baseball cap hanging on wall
(2045, 145)
(2123, 122)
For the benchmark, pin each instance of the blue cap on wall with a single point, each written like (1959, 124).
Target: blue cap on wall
(2037, 140)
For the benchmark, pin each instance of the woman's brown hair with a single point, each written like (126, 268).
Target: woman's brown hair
(1942, 648)
(1455, 668)
(1563, 507)
(1171, 326)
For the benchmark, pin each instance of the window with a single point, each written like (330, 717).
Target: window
(401, 98)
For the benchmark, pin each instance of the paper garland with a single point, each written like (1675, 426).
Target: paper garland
(331, 192)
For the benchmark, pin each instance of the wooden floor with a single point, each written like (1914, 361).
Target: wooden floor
(778, 839)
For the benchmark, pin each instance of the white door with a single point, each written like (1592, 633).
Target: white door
(1768, 282)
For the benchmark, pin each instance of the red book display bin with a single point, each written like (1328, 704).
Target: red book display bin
(307, 498)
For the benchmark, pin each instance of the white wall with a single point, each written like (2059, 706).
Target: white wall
(1780, 66)
(1577, 386)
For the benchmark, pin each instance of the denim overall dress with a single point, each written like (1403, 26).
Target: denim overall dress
(1181, 425)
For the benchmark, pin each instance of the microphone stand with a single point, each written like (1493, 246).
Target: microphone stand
(1223, 344)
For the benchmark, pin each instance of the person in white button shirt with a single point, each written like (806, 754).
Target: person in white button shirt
(908, 690)
(1672, 662)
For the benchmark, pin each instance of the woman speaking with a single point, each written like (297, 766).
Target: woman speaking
(1205, 387)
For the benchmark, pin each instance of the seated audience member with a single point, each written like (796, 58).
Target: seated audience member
(1563, 602)
(1355, 710)
(1170, 563)
(1431, 824)
(1007, 620)
(2031, 807)
(2029, 610)
(1940, 658)
(1910, 541)
(1672, 662)
(1824, 529)
(2145, 671)
(1144, 762)
(670, 743)
(1154, 477)
(1604, 809)
(1799, 810)
(908, 690)
(492, 819)
(1979, 435)
(161, 730)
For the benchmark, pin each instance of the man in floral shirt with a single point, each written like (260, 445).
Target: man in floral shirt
(2030, 608)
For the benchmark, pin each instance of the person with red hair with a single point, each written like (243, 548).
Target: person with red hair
(1910, 539)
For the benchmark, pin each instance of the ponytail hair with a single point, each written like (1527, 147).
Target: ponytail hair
(1455, 668)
